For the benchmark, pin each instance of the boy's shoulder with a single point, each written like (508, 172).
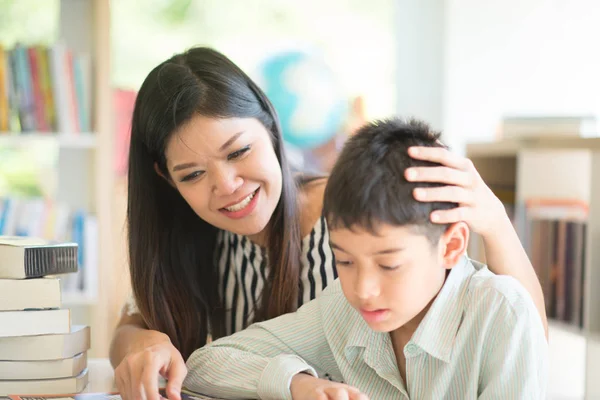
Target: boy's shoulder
(488, 290)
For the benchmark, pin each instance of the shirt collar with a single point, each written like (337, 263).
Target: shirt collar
(437, 331)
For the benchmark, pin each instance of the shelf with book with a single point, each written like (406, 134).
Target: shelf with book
(65, 101)
(556, 197)
(83, 140)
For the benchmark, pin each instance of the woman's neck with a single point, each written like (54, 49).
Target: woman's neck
(259, 238)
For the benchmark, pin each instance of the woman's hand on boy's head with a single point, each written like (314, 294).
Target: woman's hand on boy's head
(478, 206)
(307, 387)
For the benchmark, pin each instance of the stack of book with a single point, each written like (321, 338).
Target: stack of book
(40, 352)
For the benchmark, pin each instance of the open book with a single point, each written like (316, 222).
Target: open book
(98, 396)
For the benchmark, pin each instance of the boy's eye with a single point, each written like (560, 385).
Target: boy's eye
(192, 176)
(389, 268)
(238, 153)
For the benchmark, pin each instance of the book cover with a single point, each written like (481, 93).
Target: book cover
(34, 322)
(27, 257)
(29, 294)
(49, 386)
(43, 369)
(46, 347)
(185, 395)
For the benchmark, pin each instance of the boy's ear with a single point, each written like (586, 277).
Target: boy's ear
(159, 173)
(454, 243)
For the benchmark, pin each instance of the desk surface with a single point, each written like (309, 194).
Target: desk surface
(101, 379)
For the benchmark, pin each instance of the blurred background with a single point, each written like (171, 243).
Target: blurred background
(512, 84)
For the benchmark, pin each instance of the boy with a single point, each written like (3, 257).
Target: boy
(410, 316)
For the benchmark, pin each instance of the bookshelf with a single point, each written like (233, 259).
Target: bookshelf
(85, 167)
(86, 171)
(86, 140)
(555, 168)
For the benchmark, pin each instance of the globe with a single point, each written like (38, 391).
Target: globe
(306, 95)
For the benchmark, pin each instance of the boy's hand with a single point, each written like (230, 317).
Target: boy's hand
(307, 387)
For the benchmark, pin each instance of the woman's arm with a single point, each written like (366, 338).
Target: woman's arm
(139, 356)
(481, 210)
(505, 255)
(124, 337)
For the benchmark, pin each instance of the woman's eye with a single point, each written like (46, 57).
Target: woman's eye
(389, 268)
(192, 176)
(237, 154)
(343, 263)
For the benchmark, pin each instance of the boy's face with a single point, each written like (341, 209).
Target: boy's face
(391, 277)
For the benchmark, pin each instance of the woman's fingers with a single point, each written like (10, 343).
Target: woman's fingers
(451, 194)
(449, 176)
(440, 155)
(459, 214)
(175, 376)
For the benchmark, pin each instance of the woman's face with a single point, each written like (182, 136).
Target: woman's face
(227, 171)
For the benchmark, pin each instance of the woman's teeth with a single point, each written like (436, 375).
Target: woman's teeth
(241, 204)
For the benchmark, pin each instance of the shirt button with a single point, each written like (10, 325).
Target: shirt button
(410, 349)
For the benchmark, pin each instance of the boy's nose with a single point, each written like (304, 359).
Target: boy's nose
(366, 287)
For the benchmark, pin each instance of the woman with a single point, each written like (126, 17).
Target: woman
(222, 235)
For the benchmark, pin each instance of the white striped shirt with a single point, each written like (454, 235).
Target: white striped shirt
(243, 269)
(482, 338)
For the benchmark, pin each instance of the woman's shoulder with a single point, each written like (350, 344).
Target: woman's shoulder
(311, 203)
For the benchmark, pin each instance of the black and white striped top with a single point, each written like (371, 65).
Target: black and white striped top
(243, 269)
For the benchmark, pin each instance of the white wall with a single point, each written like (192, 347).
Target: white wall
(420, 59)
(518, 56)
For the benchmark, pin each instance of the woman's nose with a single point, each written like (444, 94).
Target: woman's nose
(226, 181)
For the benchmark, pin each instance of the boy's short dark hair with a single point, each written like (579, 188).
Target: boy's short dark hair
(367, 183)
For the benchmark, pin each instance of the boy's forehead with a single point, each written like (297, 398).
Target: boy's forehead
(377, 233)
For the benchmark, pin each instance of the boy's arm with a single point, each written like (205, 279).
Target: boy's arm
(515, 354)
(260, 362)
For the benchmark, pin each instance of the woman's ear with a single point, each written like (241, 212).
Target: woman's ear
(166, 178)
(454, 243)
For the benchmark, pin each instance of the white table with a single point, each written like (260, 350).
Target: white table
(101, 376)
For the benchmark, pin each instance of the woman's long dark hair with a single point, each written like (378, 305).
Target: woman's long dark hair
(171, 250)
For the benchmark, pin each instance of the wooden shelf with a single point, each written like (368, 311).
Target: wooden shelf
(65, 140)
(510, 147)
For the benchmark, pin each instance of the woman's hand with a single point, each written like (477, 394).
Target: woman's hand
(481, 210)
(478, 206)
(137, 376)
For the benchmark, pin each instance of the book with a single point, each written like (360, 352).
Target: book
(46, 369)
(24, 294)
(531, 126)
(74, 384)
(46, 347)
(26, 257)
(185, 395)
(34, 322)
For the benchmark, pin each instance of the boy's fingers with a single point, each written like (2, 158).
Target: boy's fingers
(355, 394)
(338, 393)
